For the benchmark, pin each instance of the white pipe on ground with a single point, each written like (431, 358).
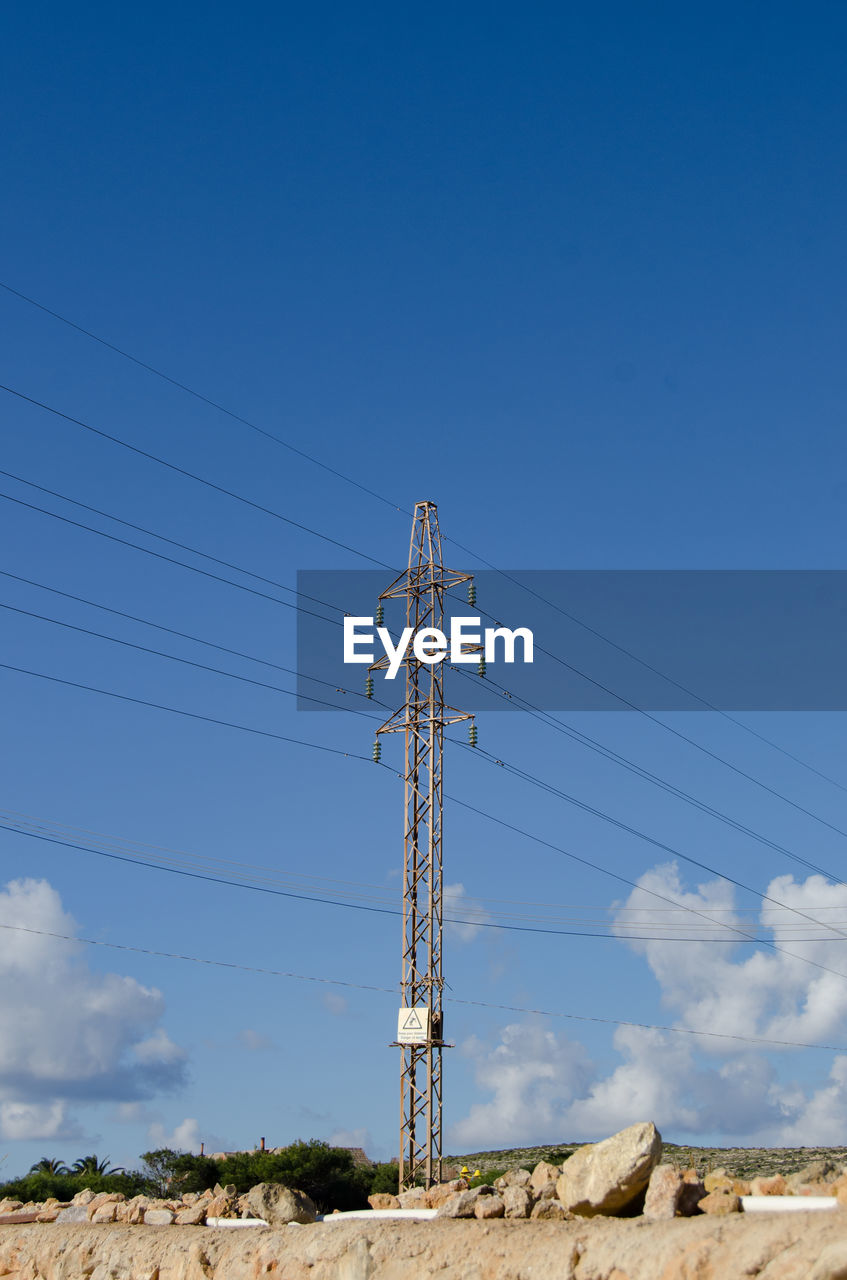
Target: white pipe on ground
(777, 1204)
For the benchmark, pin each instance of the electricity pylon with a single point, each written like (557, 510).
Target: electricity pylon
(422, 719)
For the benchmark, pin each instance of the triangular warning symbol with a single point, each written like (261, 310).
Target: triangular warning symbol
(413, 1022)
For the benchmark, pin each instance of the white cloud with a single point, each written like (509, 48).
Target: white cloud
(31, 1121)
(158, 1048)
(255, 1041)
(351, 1138)
(183, 1137)
(468, 910)
(650, 1084)
(532, 1075)
(769, 994)
(538, 1085)
(68, 1034)
(334, 1003)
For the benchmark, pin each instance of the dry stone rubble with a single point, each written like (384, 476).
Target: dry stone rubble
(607, 1187)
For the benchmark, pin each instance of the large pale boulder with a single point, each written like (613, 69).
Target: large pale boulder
(279, 1205)
(609, 1176)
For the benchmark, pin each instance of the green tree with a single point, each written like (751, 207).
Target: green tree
(171, 1172)
(49, 1166)
(93, 1165)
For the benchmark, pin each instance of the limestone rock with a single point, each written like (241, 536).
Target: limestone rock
(489, 1207)
(664, 1191)
(74, 1213)
(543, 1173)
(720, 1202)
(105, 1213)
(193, 1215)
(47, 1215)
(279, 1205)
(774, 1186)
(460, 1204)
(608, 1176)
(442, 1191)
(158, 1217)
(517, 1202)
(222, 1207)
(414, 1198)
(717, 1180)
(11, 1206)
(545, 1192)
(383, 1200)
(550, 1210)
(513, 1178)
(83, 1197)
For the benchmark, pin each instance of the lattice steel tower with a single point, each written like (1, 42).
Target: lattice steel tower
(422, 719)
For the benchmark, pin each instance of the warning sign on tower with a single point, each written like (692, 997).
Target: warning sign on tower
(413, 1025)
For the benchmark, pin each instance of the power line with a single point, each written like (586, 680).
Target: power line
(360, 986)
(191, 715)
(355, 906)
(641, 835)
(461, 546)
(162, 857)
(541, 648)
(191, 475)
(188, 662)
(632, 706)
(160, 537)
(633, 884)
(262, 431)
(584, 739)
(535, 712)
(337, 751)
(552, 721)
(648, 667)
(183, 635)
(158, 555)
(513, 769)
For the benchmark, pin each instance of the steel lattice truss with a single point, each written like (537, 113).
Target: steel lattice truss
(422, 719)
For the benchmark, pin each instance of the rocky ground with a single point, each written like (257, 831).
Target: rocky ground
(626, 1208)
(802, 1246)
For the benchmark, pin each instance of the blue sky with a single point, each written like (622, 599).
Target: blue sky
(579, 278)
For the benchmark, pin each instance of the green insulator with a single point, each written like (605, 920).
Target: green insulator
(380, 614)
(369, 687)
(472, 735)
(481, 668)
(377, 751)
(471, 593)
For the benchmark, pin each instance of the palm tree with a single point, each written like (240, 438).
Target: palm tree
(46, 1165)
(92, 1165)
